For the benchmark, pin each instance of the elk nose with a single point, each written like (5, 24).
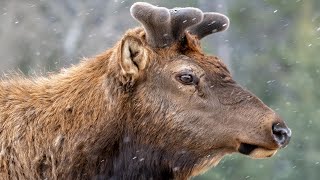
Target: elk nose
(281, 134)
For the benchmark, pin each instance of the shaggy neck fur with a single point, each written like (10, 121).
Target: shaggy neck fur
(73, 126)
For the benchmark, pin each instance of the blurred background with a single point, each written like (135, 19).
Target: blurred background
(272, 48)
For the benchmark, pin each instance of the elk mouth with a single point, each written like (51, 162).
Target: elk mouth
(256, 151)
(246, 149)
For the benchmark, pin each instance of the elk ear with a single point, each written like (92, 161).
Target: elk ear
(133, 58)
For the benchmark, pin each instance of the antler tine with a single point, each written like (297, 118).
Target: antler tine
(211, 23)
(182, 18)
(155, 21)
(163, 26)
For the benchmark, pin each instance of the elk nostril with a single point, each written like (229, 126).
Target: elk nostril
(281, 134)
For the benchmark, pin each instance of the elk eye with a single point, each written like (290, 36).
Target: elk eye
(188, 79)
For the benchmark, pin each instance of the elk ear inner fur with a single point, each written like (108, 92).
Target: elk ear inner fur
(133, 58)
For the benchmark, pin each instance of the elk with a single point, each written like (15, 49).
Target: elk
(152, 107)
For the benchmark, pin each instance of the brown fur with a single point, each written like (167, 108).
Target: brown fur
(97, 121)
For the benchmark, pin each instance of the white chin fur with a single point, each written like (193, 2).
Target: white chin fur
(260, 153)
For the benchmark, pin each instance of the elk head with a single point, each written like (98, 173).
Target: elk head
(185, 102)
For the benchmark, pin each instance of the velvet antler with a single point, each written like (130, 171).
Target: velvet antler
(211, 23)
(165, 26)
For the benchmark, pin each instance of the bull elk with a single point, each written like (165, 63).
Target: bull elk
(153, 106)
